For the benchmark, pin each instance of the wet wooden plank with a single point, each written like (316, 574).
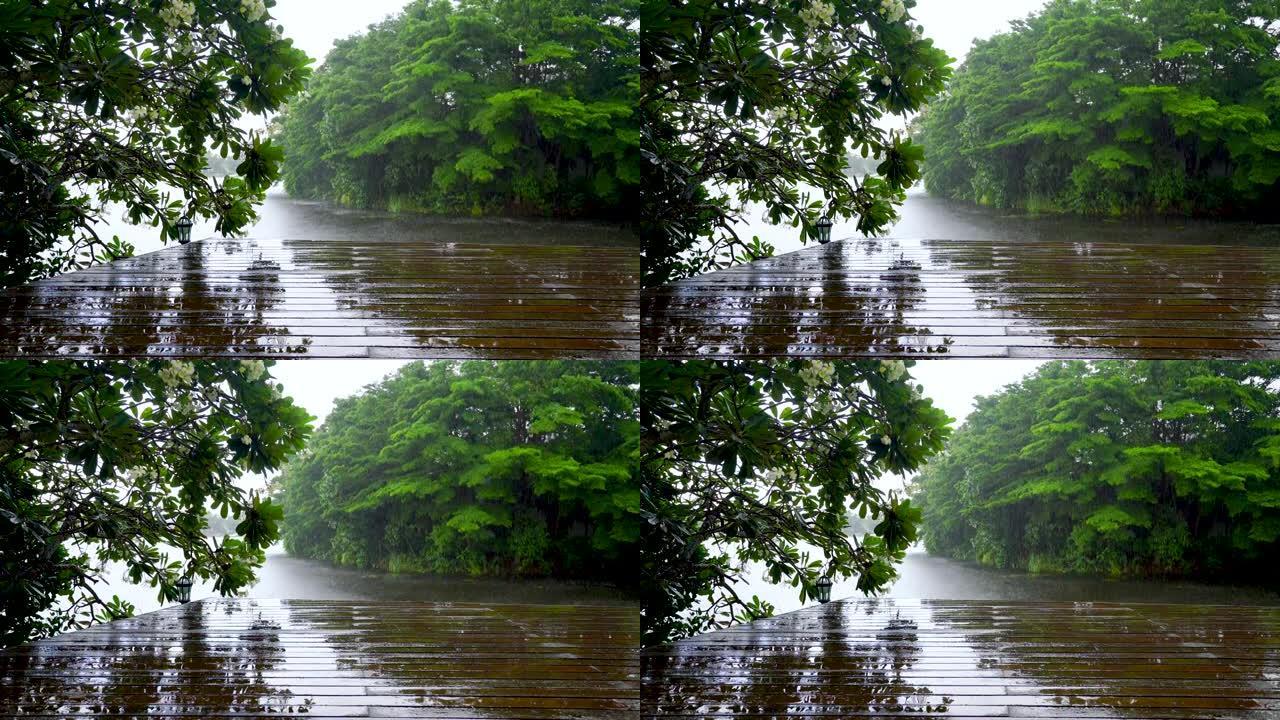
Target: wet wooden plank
(942, 298)
(274, 658)
(894, 658)
(306, 298)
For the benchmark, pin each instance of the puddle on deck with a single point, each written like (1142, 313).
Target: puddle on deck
(902, 298)
(306, 298)
(869, 658)
(319, 659)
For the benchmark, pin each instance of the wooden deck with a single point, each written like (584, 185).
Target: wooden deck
(922, 659)
(316, 659)
(312, 298)
(941, 298)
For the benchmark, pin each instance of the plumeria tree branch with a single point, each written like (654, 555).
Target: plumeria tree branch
(754, 466)
(759, 103)
(119, 463)
(107, 105)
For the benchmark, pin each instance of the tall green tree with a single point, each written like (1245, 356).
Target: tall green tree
(111, 103)
(480, 106)
(759, 102)
(476, 468)
(118, 462)
(760, 463)
(1168, 468)
(1116, 107)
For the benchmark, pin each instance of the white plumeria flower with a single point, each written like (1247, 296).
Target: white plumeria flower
(817, 373)
(893, 369)
(177, 13)
(817, 14)
(253, 10)
(246, 439)
(253, 369)
(144, 115)
(177, 373)
(785, 115)
(886, 439)
(893, 10)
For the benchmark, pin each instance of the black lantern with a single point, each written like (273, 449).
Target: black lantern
(184, 589)
(824, 590)
(184, 230)
(824, 229)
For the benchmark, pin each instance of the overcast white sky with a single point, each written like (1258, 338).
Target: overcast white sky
(316, 384)
(953, 24)
(953, 385)
(314, 25)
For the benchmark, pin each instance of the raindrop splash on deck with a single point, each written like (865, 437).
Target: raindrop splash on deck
(883, 658)
(313, 298)
(323, 659)
(939, 298)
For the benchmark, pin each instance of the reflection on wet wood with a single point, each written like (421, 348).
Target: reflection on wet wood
(883, 658)
(938, 298)
(267, 658)
(301, 298)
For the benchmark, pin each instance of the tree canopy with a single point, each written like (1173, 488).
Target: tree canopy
(758, 463)
(475, 468)
(115, 104)
(118, 462)
(759, 102)
(1165, 468)
(478, 106)
(1116, 107)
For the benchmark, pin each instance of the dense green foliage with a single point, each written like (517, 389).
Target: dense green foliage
(1167, 468)
(1116, 107)
(479, 106)
(525, 468)
(116, 103)
(117, 462)
(752, 463)
(757, 101)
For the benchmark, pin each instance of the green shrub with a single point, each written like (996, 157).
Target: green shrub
(475, 107)
(1152, 468)
(475, 468)
(1115, 108)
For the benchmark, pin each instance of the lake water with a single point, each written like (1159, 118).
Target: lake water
(922, 217)
(286, 577)
(925, 577)
(926, 217)
(284, 217)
